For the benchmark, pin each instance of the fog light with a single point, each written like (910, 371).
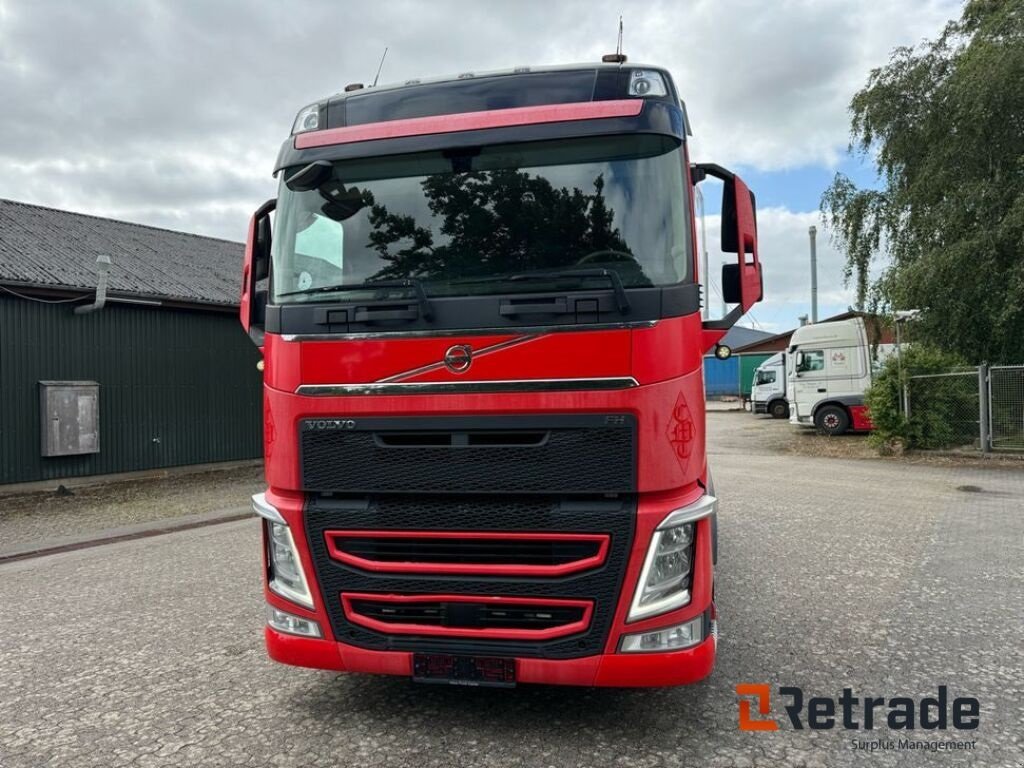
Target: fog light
(292, 625)
(669, 639)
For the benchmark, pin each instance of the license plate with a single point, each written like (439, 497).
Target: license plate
(464, 670)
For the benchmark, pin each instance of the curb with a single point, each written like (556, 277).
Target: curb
(123, 533)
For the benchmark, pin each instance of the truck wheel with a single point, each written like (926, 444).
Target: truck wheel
(832, 420)
(779, 409)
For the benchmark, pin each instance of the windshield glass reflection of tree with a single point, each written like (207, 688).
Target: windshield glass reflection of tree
(496, 222)
(466, 223)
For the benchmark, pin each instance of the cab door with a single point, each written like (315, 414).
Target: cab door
(810, 381)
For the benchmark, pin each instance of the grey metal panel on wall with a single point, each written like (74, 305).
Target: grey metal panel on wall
(176, 386)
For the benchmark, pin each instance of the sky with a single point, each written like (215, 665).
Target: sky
(171, 112)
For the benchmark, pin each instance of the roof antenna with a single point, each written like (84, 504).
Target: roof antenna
(618, 57)
(379, 67)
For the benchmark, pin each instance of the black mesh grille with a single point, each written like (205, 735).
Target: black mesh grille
(423, 549)
(501, 454)
(483, 513)
(468, 615)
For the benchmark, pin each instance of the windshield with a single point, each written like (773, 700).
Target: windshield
(475, 221)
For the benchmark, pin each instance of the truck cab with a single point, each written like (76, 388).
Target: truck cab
(768, 390)
(479, 309)
(830, 369)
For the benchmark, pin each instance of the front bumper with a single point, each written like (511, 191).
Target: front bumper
(601, 664)
(759, 407)
(640, 670)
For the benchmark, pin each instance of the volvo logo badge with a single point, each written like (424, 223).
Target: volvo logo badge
(458, 358)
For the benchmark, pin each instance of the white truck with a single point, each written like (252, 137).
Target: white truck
(768, 390)
(831, 366)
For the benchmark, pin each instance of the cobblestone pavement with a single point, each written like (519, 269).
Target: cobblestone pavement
(35, 518)
(887, 578)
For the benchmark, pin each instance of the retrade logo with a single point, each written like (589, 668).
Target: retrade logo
(763, 695)
(458, 358)
(854, 713)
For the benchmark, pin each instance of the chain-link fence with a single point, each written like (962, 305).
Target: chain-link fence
(969, 407)
(946, 408)
(1006, 407)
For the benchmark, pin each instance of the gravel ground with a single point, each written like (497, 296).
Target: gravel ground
(882, 576)
(778, 436)
(38, 517)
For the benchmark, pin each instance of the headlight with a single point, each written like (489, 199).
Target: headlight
(664, 583)
(285, 570)
(308, 119)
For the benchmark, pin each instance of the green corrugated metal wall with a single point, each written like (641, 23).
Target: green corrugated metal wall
(176, 386)
(749, 364)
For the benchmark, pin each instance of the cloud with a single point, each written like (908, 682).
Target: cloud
(784, 249)
(171, 112)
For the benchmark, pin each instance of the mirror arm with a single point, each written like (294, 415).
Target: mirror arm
(727, 322)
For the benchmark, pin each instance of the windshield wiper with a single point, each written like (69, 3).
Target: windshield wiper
(426, 310)
(621, 299)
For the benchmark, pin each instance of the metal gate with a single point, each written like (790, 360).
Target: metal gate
(1006, 407)
(949, 408)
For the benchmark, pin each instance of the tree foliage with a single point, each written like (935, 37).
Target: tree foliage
(494, 222)
(944, 408)
(944, 125)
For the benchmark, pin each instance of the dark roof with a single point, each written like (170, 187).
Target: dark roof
(739, 336)
(879, 332)
(49, 248)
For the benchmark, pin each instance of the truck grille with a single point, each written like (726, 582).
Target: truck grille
(480, 553)
(545, 615)
(576, 453)
(468, 616)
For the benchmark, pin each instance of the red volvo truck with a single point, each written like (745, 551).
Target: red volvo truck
(479, 312)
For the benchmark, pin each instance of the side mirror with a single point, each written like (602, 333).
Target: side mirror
(256, 267)
(732, 288)
(742, 282)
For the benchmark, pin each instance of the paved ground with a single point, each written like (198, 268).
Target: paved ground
(886, 577)
(30, 519)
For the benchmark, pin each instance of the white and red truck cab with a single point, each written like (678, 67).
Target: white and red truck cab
(479, 311)
(831, 366)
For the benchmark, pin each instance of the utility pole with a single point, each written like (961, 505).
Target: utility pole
(725, 311)
(813, 232)
(706, 311)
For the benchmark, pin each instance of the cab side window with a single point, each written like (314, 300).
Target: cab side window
(812, 360)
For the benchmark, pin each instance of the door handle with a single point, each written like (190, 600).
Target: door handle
(822, 389)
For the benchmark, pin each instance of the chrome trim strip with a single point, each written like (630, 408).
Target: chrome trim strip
(532, 330)
(467, 387)
(440, 363)
(266, 510)
(704, 506)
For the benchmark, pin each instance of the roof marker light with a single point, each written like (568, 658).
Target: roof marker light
(646, 82)
(308, 119)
